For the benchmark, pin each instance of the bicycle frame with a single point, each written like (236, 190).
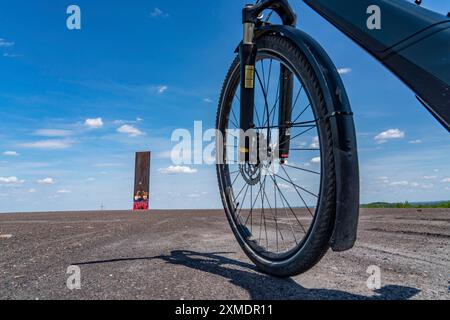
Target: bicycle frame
(411, 41)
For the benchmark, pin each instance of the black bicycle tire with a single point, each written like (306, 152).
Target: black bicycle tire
(317, 243)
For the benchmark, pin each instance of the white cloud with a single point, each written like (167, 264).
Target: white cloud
(383, 180)
(46, 181)
(315, 160)
(53, 133)
(416, 141)
(344, 70)
(422, 185)
(96, 123)
(5, 43)
(430, 177)
(286, 187)
(446, 180)
(11, 55)
(162, 89)
(48, 144)
(315, 143)
(11, 180)
(64, 191)
(207, 100)
(90, 179)
(130, 130)
(158, 13)
(122, 122)
(399, 184)
(389, 135)
(178, 170)
(194, 195)
(32, 190)
(11, 153)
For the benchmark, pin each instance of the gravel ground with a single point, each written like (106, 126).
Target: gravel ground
(193, 255)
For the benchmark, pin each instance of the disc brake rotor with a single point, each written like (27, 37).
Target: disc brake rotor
(251, 173)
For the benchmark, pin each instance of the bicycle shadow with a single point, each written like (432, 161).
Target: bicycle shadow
(261, 286)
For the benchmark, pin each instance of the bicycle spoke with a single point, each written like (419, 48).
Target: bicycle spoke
(303, 200)
(302, 113)
(298, 168)
(268, 79)
(285, 202)
(289, 220)
(290, 208)
(295, 185)
(264, 74)
(235, 199)
(234, 181)
(264, 214)
(266, 104)
(251, 201)
(297, 97)
(272, 220)
(243, 201)
(294, 125)
(299, 135)
(276, 102)
(235, 119)
(250, 216)
(275, 219)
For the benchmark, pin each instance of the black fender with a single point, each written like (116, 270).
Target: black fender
(344, 136)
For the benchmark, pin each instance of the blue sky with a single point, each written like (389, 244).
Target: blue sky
(138, 71)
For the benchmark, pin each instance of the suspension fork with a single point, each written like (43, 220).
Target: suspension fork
(247, 53)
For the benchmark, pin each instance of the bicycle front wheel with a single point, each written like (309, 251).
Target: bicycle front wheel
(282, 215)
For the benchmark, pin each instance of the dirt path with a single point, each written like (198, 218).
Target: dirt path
(193, 255)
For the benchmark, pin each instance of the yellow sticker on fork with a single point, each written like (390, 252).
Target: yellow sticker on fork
(249, 77)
